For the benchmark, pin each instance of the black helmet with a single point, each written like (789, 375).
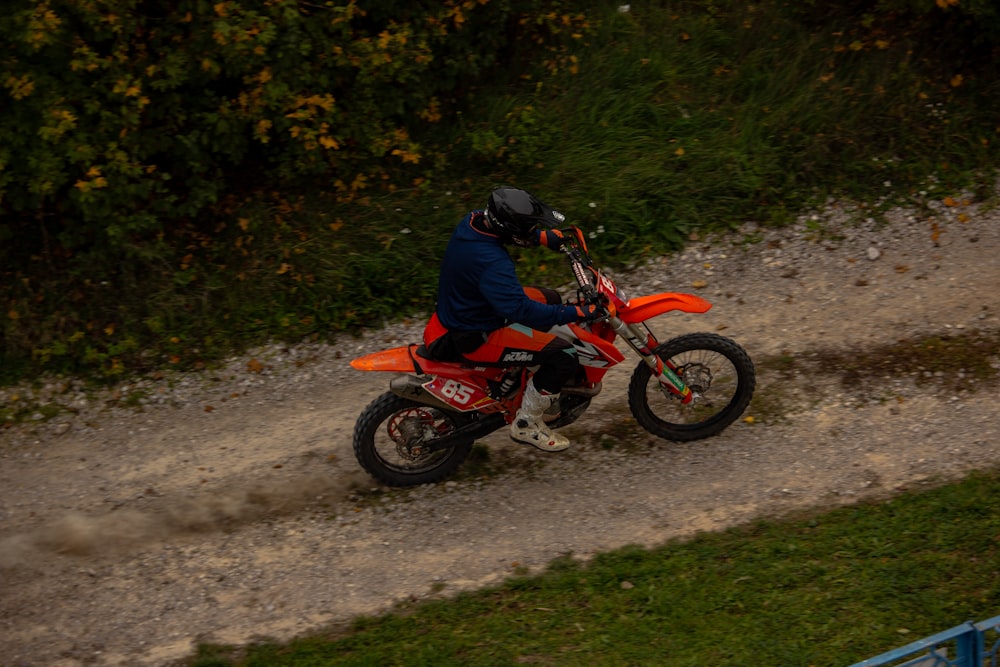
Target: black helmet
(515, 214)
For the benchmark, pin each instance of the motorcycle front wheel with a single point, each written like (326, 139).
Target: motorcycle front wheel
(390, 437)
(721, 377)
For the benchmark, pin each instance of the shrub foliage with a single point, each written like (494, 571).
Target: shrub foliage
(128, 126)
(124, 115)
(179, 177)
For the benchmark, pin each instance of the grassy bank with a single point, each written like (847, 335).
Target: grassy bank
(663, 121)
(824, 589)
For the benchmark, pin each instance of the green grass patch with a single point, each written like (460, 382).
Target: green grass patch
(964, 361)
(16, 411)
(819, 589)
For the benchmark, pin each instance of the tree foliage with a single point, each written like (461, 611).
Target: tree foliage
(121, 116)
(131, 130)
(179, 177)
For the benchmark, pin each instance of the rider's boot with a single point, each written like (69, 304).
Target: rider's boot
(528, 426)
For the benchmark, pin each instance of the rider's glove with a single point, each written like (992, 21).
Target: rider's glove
(588, 312)
(553, 239)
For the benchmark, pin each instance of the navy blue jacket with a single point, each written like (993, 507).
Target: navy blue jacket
(479, 290)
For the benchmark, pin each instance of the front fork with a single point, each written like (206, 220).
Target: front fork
(643, 342)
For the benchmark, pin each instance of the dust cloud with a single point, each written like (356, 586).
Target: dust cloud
(124, 529)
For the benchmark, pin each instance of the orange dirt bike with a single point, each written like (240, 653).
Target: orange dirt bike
(688, 388)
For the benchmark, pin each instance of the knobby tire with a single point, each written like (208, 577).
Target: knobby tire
(701, 419)
(373, 443)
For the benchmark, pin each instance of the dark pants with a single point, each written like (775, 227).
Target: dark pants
(514, 345)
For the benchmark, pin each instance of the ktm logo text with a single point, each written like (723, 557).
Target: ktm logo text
(518, 356)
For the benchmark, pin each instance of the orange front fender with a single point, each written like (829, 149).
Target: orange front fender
(397, 359)
(645, 307)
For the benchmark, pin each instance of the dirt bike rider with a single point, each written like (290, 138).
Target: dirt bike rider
(485, 316)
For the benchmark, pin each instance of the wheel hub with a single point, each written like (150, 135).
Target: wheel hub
(410, 431)
(696, 376)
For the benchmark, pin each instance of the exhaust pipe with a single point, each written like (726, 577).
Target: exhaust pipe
(412, 388)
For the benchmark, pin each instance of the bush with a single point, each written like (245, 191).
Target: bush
(133, 130)
(124, 116)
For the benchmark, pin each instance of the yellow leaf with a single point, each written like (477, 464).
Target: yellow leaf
(20, 88)
(948, 201)
(360, 182)
(957, 80)
(284, 268)
(406, 156)
(749, 419)
(335, 226)
(255, 366)
(12, 314)
(698, 284)
(679, 152)
(329, 142)
(110, 329)
(244, 223)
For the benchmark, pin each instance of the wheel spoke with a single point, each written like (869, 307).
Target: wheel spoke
(390, 442)
(721, 378)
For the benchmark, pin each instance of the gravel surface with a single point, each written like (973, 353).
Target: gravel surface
(226, 504)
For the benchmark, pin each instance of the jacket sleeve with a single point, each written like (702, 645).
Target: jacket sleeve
(500, 285)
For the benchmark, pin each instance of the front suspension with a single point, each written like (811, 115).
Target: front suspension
(643, 342)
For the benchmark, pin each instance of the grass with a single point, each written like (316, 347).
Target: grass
(827, 588)
(687, 117)
(965, 361)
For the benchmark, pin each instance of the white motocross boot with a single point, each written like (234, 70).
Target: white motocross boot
(528, 426)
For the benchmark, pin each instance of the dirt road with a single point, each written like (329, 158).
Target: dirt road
(226, 505)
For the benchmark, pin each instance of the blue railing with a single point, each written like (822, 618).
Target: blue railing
(966, 645)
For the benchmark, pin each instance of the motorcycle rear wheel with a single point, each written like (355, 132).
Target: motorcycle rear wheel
(389, 436)
(719, 373)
